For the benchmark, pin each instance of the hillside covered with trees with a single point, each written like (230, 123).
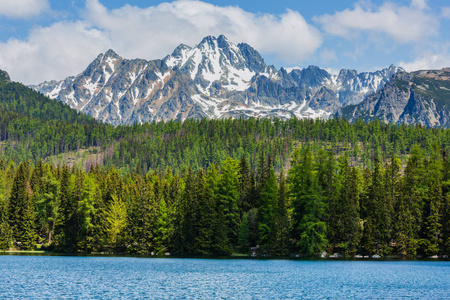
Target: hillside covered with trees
(321, 203)
(217, 187)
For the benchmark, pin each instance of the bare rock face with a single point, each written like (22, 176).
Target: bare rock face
(214, 79)
(421, 97)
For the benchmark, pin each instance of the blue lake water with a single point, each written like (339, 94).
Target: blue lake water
(65, 277)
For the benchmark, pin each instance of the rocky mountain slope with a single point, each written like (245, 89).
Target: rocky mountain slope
(421, 97)
(214, 79)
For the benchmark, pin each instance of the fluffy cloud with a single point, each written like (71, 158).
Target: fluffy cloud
(62, 49)
(155, 31)
(404, 24)
(22, 8)
(428, 61)
(53, 52)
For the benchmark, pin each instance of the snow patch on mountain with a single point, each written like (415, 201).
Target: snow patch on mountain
(214, 79)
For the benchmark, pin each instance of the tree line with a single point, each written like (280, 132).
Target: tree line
(320, 203)
(216, 187)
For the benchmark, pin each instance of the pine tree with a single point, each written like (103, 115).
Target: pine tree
(403, 228)
(87, 208)
(116, 218)
(5, 231)
(267, 212)
(244, 235)
(375, 237)
(187, 219)
(280, 247)
(206, 216)
(245, 187)
(48, 204)
(21, 209)
(228, 196)
(432, 225)
(66, 230)
(163, 228)
(445, 246)
(309, 207)
(344, 214)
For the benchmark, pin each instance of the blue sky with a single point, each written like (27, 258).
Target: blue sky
(52, 39)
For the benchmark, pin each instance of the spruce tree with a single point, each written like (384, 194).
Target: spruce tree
(228, 196)
(48, 205)
(163, 228)
(309, 206)
(21, 209)
(116, 218)
(280, 246)
(445, 246)
(87, 208)
(206, 216)
(244, 234)
(267, 212)
(432, 225)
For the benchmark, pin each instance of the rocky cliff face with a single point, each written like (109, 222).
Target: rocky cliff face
(421, 97)
(214, 79)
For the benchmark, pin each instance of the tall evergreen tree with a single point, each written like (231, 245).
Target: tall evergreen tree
(116, 218)
(48, 205)
(164, 228)
(87, 208)
(432, 226)
(309, 207)
(206, 216)
(228, 196)
(280, 246)
(267, 212)
(21, 209)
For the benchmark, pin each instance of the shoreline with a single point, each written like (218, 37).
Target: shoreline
(232, 257)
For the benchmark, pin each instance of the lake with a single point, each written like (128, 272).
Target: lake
(69, 277)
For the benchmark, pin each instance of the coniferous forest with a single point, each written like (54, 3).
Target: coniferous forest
(218, 187)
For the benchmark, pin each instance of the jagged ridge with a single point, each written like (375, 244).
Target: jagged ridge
(214, 79)
(421, 97)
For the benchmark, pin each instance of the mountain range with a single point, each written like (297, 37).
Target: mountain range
(214, 79)
(421, 97)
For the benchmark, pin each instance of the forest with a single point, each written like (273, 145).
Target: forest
(321, 203)
(219, 187)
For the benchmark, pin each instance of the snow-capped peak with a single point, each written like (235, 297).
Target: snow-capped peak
(215, 59)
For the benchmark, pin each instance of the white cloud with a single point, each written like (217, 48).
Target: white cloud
(333, 71)
(420, 4)
(404, 24)
(426, 62)
(22, 8)
(53, 52)
(65, 48)
(155, 31)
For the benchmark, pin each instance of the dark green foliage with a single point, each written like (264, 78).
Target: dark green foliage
(349, 211)
(343, 211)
(268, 212)
(19, 99)
(350, 188)
(309, 206)
(21, 209)
(4, 76)
(228, 196)
(280, 244)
